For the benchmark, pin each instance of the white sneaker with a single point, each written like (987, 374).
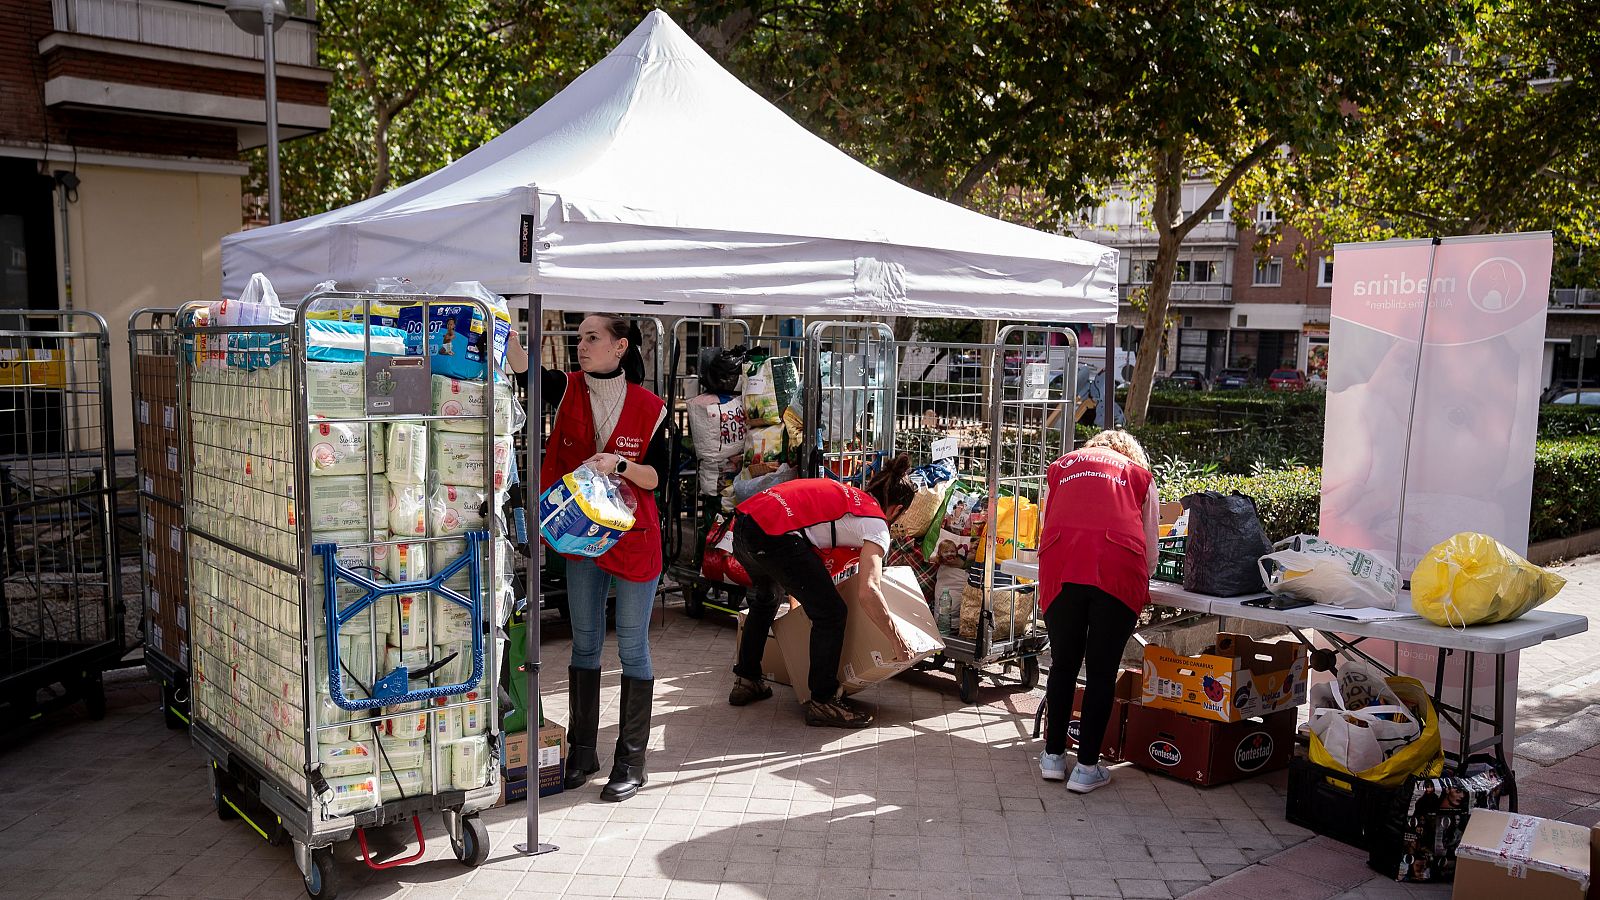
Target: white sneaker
(1053, 766)
(1088, 778)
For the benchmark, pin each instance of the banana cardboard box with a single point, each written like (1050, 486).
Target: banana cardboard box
(1237, 679)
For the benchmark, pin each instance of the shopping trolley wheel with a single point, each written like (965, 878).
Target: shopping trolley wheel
(694, 604)
(967, 680)
(225, 812)
(1030, 672)
(322, 876)
(473, 848)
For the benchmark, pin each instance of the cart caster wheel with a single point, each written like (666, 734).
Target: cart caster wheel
(1030, 672)
(967, 679)
(322, 881)
(473, 848)
(694, 605)
(94, 696)
(224, 811)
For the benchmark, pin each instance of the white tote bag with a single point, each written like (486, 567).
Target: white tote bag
(1359, 720)
(1310, 567)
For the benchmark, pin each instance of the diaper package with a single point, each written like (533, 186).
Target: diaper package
(408, 510)
(345, 759)
(350, 795)
(336, 390)
(457, 509)
(457, 337)
(408, 562)
(339, 503)
(458, 459)
(585, 513)
(341, 449)
(469, 763)
(465, 397)
(407, 629)
(406, 453)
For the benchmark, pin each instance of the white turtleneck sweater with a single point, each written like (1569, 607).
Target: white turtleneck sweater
(606, 397)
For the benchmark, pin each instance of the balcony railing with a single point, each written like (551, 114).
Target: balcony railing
(1575, 298)
(1224, 232)
(188, 25)
(1187, 294)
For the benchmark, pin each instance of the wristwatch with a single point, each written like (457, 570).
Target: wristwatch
(622, 466)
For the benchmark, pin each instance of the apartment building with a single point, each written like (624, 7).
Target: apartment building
(121, 128)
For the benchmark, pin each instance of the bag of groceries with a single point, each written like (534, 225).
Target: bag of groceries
(1473, 579)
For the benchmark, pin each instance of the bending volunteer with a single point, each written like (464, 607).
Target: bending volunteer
(777, 536)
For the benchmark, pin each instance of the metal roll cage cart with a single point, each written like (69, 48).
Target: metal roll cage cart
(263, 586)
(152, 359)
(61, 606)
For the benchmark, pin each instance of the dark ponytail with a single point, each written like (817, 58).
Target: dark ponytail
(891, 486)
(621, 328)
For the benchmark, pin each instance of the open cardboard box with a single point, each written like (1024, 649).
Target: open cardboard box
(1235, 680)
(868, 656)
(773, 667)
(1511, 855)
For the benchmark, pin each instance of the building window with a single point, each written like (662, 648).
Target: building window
(1325, 272)
(1269, 272)
(1266, 215)
(1195, 271)
(1220, 214)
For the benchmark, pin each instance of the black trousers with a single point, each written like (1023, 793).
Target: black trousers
(1086, 625)
(788, 565)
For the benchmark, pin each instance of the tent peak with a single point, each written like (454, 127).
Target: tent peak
(658, 38)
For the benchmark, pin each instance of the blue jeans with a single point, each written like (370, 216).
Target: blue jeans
(587, 587)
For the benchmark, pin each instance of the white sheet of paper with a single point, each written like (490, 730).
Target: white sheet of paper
(945, 449)
(1365, 614)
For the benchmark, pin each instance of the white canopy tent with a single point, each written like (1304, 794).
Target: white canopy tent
(656, 178)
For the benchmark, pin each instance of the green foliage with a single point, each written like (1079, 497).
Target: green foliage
(1288, 500)
(1566, 487)
(1568, 421)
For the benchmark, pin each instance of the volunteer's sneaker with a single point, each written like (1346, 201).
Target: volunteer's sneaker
(1053, 766)
(1087, 778)
(837, 713)
(748, 690)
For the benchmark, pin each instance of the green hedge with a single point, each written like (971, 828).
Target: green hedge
(1566, 421)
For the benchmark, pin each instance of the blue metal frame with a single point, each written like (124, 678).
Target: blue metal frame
(393, 688)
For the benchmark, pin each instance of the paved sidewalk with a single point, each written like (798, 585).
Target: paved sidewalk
(939, 800)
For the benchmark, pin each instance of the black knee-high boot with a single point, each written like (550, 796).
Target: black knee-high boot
(633, 738)
(583, 724)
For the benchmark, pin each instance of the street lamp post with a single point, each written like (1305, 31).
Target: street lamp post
(263, 18)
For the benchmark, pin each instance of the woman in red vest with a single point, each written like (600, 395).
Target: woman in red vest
(777, 536)
(1096, 556)
(608, 422)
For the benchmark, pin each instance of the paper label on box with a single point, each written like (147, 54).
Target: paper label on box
(144, 412)
(155, 601)
(549, 756)
(175, 538)
(149, 485)
(1037, 378)
(169, 417)
(172, 458)
(946, 449)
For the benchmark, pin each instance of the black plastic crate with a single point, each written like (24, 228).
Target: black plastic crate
(1335, 804)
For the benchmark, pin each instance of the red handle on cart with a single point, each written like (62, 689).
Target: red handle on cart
(366, 857)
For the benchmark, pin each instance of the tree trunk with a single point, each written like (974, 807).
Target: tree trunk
(1168, 181)
(380, 148)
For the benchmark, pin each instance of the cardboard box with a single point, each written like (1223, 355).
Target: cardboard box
(1510, 855)
(868, 654)
(1127, 692)
(1206, 752)
(773, 667)
(552, 763)
(1237, 679)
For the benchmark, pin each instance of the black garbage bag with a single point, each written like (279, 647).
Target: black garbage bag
(720, 369)
(1225, 541)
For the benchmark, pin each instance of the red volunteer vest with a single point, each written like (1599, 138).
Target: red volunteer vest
(637, 557)
(794, 505)
(1094, 527)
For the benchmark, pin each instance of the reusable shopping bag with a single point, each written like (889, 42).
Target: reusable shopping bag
(1016, 527)
(1417, 839)
(918, 514)
(1225, 540)
(1378, 730)
(1308, 566)
(769, 388)
(1473, 579)
(959, 519)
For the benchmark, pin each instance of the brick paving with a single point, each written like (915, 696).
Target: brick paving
(937, 800)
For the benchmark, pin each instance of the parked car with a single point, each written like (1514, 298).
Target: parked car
(1182, 380)
(1576, 397)
(1286, 380)
(1232, 379)
(1557, 388)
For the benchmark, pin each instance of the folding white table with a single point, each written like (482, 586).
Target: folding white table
(1346, 636)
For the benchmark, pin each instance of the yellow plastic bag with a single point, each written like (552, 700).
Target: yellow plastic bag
(1423, 757)
(1473, 579)
(1016, 527)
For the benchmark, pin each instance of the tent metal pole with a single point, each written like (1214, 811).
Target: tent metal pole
(533, 715)
(1108, 394)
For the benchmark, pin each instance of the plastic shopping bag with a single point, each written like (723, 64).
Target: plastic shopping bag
(960, 518)
(1225, 539)
(1310, 567)
(1379, 730)
(1016, 527)
(768, 390)
(1473, 579)
(586, 513)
